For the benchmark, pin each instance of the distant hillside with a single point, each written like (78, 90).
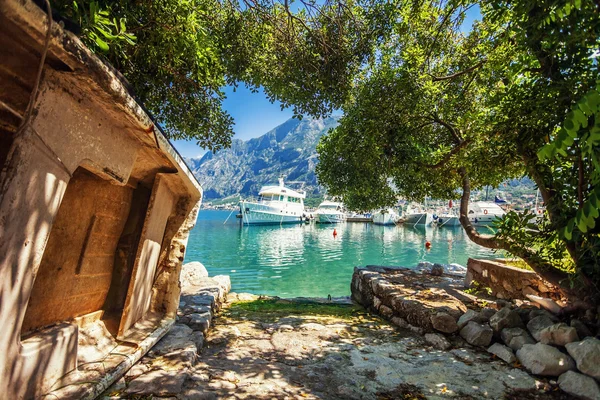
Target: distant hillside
(288, 150)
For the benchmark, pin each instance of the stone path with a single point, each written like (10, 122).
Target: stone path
(277, 349)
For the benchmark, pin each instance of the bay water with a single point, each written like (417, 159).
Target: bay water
(307, 260)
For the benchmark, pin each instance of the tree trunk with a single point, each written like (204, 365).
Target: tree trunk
(542, 268)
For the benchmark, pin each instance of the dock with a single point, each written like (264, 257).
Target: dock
(359, 219)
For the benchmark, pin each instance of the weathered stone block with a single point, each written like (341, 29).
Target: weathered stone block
(515, 338)
(506, 318)
(558, 334)
(444, 322)
(477, 334)
(502, 352)
(541, 359)
(587, 356)
(579, 385)
(537, 324)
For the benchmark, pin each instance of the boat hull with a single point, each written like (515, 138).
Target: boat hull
(258, 214)
(483, 219)
(332, 218)
(384, 219)
(448, 220)
(418, 219)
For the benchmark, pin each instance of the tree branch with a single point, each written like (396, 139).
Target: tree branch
(530, 256)
(449, 155)
(457, 74)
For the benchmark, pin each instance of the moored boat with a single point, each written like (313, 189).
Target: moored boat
(417, 217)
(483, 213)
(275, 205)
(385, 216)
(330, 212)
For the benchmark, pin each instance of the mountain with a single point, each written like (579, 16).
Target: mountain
(289, 150)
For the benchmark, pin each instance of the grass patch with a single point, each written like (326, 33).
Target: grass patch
(278, 307)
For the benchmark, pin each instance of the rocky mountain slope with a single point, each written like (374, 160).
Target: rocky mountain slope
(289, 150)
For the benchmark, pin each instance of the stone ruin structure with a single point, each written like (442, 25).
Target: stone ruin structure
(95, 211)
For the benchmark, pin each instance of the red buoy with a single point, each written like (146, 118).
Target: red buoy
(428, 244)
(334, 232)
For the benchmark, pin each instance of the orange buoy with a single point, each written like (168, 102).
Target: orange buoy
(334, 232)
(428, 244)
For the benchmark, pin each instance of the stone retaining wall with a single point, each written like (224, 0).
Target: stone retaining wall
(406, 297)
(507, 282)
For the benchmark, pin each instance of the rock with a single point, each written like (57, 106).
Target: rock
(399, 322)
(582, 330)
(192, 273)
(506, 318)
(312, 326)
(158, 383)
(502, 352)
(515, 338)
(224, 281)
(485, 314)
(541, 359)
(537, 312)
(198, 339)
(444, 322)
(548, 304)
(587, 356)
(579, 385)
(200, 321)
(558, 334)
(438, 341)
(437, 270)
(477, 334)
(464, 319)
(196, 393)
(285, 328)
(537, 324)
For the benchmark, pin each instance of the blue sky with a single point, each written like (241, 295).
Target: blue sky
(254, 115)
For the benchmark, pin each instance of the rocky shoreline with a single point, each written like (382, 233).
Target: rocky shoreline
(415, 338)
(429, 301)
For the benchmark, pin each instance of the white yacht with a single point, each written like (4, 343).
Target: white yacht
(385, 216)
(275, 205)
(415, 216)
(330, 212)
(482, 213)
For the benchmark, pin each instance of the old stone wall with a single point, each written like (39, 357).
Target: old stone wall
(507, 282)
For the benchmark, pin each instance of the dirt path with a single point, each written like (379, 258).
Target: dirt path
(279, 349)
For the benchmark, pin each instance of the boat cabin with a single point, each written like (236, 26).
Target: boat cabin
(280, 194)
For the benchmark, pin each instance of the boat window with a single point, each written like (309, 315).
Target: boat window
(260, 198)
(280, 197)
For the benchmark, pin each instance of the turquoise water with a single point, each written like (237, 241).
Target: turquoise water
(306, 260)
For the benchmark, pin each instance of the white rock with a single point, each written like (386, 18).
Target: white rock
(579, 385)
(558, 334)
(587, 356)
(541, 359)
(191, 273)
(548, 304)
(502, 352)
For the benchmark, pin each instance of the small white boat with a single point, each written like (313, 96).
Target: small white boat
(330, 212)
(275, 205)
(385, 216)
(417, 217)
(483, 213)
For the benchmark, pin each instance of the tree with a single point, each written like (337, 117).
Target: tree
(179, 54)
(441, 110)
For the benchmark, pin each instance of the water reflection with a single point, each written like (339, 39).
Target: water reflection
(307, 260)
